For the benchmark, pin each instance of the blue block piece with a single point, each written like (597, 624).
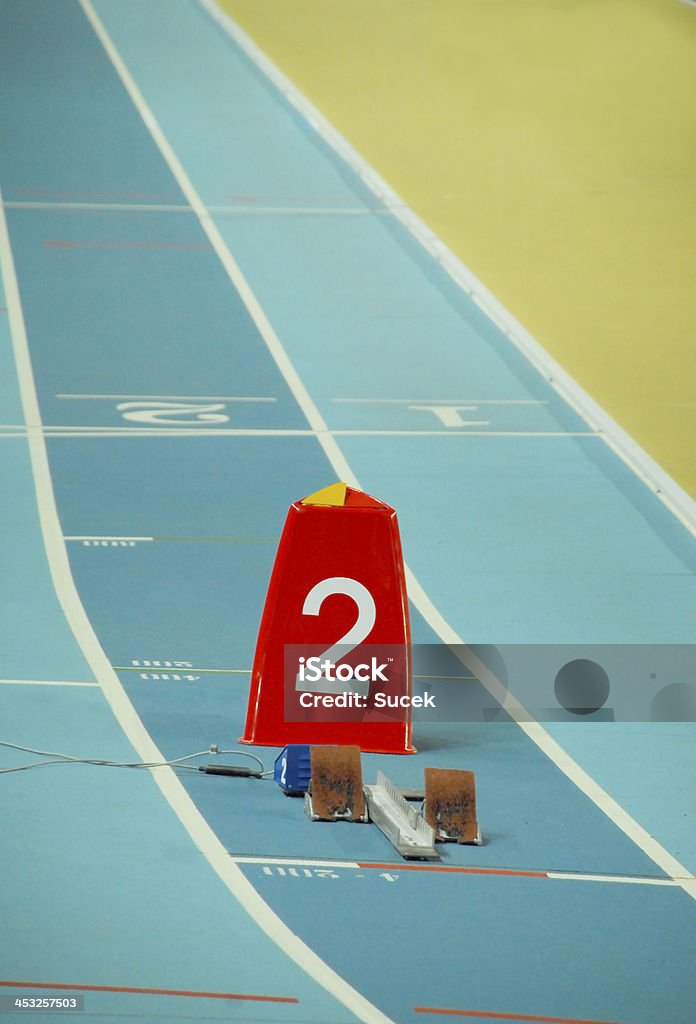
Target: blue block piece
(292, 769)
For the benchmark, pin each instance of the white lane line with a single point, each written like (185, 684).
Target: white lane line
(94, 537)
(618, 879)
(43, 682)
(457, 432)
(202, 431)
(681, 504)
(493, 315)
(173, 398)
(95, 428)
(303, 211)
(442, 401)
(20, 204)
(296, 862)
(115, 693)
(248, 210)
(167, 432)
(458, 869)
(92, 428)
(152, 667)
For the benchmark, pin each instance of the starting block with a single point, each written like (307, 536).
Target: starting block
(336, 598)
(336, 790)
(336, 793)
(450, 805)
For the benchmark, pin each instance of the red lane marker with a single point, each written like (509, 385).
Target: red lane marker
(482, 1014)
(150, 991)
(456, 870)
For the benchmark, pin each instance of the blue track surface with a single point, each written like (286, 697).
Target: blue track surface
(175, 446)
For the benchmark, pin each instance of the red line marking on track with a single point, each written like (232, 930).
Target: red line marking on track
(150, 991)
(75, 244)
(456, 870)
(487, 1015)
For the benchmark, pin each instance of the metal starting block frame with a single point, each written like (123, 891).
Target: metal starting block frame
(444, 837)
(406, 829)
(346, 816)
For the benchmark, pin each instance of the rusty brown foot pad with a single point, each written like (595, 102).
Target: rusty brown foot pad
(336, 783)
(450, 804)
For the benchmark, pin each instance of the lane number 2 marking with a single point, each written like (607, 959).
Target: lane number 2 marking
(173, 413)
(361, 628)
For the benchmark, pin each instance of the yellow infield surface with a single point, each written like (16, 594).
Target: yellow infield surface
(552, 145)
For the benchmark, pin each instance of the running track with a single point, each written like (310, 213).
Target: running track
(207, 314)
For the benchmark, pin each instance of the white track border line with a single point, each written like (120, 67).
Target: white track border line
(202, 431)
(681, 504)
(423, 603)
(237, 211)
(171, 398)
(95, 537)
(43, 682)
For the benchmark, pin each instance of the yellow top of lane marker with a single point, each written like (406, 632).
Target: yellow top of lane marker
(550, 145)
(334, 494)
